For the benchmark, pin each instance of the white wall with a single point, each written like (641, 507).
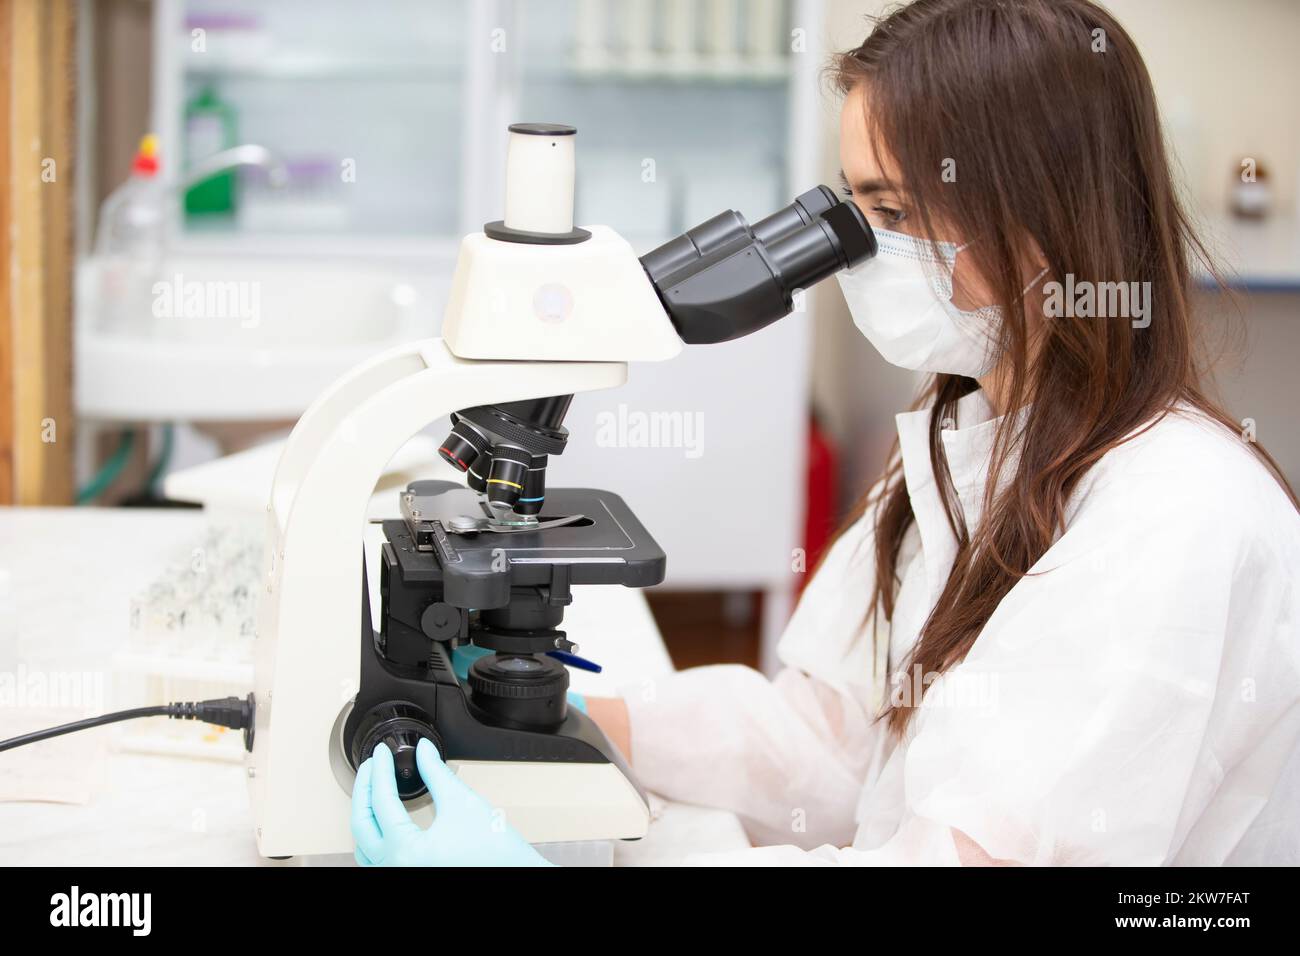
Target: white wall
(1227, 74)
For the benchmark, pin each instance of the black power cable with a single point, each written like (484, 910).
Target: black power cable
(236, 713)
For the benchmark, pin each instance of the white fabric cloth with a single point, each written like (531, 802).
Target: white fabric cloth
(1134, 700)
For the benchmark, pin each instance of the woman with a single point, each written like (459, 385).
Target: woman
(1080, 576)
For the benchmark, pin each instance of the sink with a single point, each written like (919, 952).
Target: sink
(236, 338)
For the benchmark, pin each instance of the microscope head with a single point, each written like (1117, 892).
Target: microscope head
(534, 287)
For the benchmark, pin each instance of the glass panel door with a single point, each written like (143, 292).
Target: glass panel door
(363, 102)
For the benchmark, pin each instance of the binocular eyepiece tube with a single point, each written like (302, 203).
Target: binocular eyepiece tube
(724, 278)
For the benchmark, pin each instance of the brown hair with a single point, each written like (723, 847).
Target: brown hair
(1058, 148)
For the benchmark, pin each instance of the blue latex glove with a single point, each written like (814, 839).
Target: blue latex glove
(465, 655)
(466, 830)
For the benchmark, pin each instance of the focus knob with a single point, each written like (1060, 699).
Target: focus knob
(399, 725)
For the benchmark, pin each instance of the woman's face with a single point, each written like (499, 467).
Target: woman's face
(872, 180)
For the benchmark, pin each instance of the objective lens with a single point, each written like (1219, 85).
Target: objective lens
(476, 475)
(463, 445)
(506, 477)
(534, 493)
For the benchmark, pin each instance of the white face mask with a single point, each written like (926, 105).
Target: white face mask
(902, 301)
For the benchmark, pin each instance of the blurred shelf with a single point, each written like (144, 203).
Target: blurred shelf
(1262, 256)
(297, 67)
(428, 249)
(664, 68)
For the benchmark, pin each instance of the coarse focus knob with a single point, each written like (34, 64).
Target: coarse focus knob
(399, 725)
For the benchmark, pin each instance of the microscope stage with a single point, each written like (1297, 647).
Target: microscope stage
(608, 545)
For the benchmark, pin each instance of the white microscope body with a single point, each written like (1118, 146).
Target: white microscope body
(523, 321)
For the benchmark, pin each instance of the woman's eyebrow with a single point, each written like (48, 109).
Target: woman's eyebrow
(865, 186)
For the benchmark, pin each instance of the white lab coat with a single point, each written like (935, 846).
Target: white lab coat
(1134, 700)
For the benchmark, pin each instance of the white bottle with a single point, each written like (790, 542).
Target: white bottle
(129, 245)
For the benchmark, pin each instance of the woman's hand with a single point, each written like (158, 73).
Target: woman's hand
(610, 715)
(466, 830)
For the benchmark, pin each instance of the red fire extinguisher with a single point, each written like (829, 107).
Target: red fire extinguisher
(820, 499)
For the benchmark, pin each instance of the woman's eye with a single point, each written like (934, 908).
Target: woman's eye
(894, 216)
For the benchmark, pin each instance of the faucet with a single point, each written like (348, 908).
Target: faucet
(249, 154)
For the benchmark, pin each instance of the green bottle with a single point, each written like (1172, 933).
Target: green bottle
(209, 128)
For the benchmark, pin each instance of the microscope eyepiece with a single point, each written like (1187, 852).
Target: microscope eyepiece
(838, 240)
(725, 279)
(805, 209)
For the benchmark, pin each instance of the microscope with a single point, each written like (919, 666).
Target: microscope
(539, 310)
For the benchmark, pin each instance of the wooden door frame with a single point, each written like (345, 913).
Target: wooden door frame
(37, 174)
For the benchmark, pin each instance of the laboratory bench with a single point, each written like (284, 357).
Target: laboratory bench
(84, 799)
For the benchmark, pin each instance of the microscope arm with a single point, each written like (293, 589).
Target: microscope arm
(307, 663)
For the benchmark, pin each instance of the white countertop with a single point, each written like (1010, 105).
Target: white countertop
(73, 573)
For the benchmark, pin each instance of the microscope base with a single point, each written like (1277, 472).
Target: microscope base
(553, 802)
